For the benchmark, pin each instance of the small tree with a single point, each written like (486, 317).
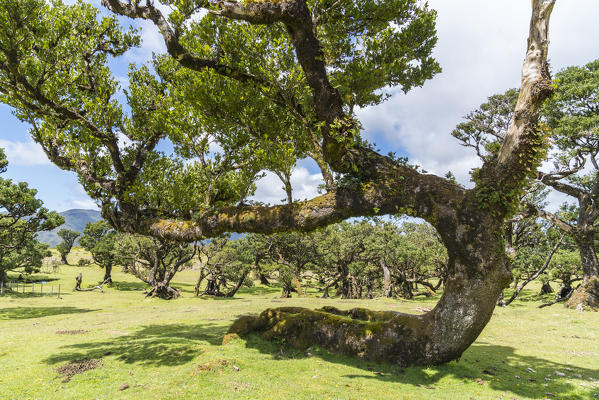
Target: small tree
(225, 265)
(100, 239)
(566, 268)
(155, 262)
(68, 240)
(22, 216)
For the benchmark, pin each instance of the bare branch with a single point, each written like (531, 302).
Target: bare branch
(552, 180)
(520, 151)
(531, 209)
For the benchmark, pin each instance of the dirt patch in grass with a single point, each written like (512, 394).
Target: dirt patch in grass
(214, 366)
(77, 367)
(73, 332)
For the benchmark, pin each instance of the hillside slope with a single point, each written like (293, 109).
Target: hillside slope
(75, 219)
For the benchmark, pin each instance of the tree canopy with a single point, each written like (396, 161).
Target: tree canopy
(100, 239)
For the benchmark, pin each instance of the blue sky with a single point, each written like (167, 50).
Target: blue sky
(481, 48)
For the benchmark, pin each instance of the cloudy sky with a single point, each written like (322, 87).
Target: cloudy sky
(481, 47)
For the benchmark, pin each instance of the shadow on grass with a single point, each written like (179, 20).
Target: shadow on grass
(527, 296)
(498, 367)
(155, 345)
(38, 312)
(261, 290)
(129, 286)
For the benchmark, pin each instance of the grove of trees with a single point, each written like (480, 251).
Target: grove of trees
(253, 86)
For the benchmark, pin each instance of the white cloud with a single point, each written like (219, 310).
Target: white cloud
(481, 48)
(85, 204)
(26, 153)
(152, 42)
(270, 188)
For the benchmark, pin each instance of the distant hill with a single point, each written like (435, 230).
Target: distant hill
(73, 219)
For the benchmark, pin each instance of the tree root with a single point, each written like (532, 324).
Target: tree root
(164, 292)
(586, 296)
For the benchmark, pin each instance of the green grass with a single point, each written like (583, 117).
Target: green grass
(171, 350)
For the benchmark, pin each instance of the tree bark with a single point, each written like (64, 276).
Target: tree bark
(108, 274)
(297, 280)
(239, 283)
(588, 257)
(387, 287)
(586, 296)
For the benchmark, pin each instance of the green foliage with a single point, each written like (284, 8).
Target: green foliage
(100, 240)
(351, 257)
(68, 240)
(573, 112)
(253, 113)
(154, 261)
(22, 216)
(486, 127)
(565, 266)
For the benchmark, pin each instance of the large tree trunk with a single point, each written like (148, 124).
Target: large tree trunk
(586, 296)
(469, 221)
(239, 283)
(297, 281)
(588, 257)
(63, 258)
(108, 274)
(387, 287)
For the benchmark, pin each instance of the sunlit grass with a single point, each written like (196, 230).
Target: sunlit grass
(171, 350)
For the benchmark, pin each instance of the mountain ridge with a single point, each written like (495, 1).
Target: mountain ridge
(74, 219)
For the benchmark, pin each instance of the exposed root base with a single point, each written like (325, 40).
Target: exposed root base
(586, 297)
(164, 292)
(374, 335)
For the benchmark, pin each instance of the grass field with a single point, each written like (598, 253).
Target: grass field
(172, 350)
